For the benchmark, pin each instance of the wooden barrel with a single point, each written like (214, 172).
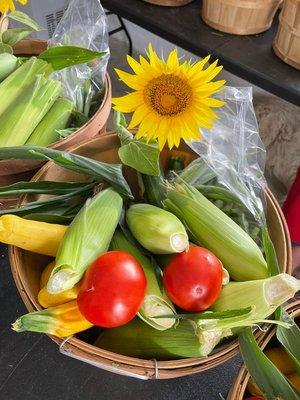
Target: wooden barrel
(246, 17)
(27, 268)
(12, 171)
(169, 3)
(287, 41)
(238, 389)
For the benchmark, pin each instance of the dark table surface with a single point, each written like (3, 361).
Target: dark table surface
(31, 367)
(249, 57)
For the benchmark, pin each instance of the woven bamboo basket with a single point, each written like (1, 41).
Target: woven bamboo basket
(169, 3)
(240, 17)
(27, 268)
(12, 171)
(238, 390)
(287, 42)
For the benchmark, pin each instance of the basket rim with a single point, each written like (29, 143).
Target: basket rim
(230, 349)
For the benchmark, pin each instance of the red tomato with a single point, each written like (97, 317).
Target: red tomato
(193, 279)
(112, 290)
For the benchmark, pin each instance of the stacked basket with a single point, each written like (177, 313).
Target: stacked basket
(14, 171)
(240, 17)
(287, 41)
(27, 268)
(238, 389)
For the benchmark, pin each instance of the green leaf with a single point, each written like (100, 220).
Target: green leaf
(6, 48)
(290, 339)
(100, 171)
(268, 378)
(63, 133)
(78, 119)
(12, 36)
(211, 315)
(66, 56)
(25, 19)
(50, 218)
(143, 157)
(270, 253)
(42, 187)
(61, 203)
(120, 125)
(137, 154)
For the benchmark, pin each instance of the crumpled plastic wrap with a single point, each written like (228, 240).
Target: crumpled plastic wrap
(234, 151)
(83, 24)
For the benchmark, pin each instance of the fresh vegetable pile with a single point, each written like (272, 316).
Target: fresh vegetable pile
(167, 280)
(33, 110)
(168, 272)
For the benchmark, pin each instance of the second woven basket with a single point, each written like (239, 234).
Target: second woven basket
(240, 17)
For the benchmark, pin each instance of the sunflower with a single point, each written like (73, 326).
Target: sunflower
(8, 5)
(171, 100)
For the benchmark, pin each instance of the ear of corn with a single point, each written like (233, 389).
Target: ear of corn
(47, 299)
(57, 118)
(12, 88)
(138, 339)
(157, 230)
(20, 120)
(264, 295)
(210, 227)
(61, 321)
(35, 236)
(156, 301)
(87, 237)
(8, 63)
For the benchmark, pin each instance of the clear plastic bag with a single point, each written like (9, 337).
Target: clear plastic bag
(84, 24)
(234, 151)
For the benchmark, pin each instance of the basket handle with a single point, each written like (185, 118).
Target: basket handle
(67, 349)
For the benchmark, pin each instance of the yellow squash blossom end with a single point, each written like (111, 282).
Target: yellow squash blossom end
(170, 100)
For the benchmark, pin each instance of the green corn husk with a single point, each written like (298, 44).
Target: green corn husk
(8, 63)
(57, 118)
(138, 339)
(20, 120)
(87, 237)
(159, 231)
(265, 295)
(156, 301)
(197, 172)
(213, 229)
(13, 86)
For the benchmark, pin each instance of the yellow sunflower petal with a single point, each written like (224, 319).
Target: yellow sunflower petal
(172, 61)
(211, 102)
(198, 66)
(155, 61)
(205, 110)
(132, 81)
(209, 88)
(139, 114)
(128, 103)
(135, 65)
